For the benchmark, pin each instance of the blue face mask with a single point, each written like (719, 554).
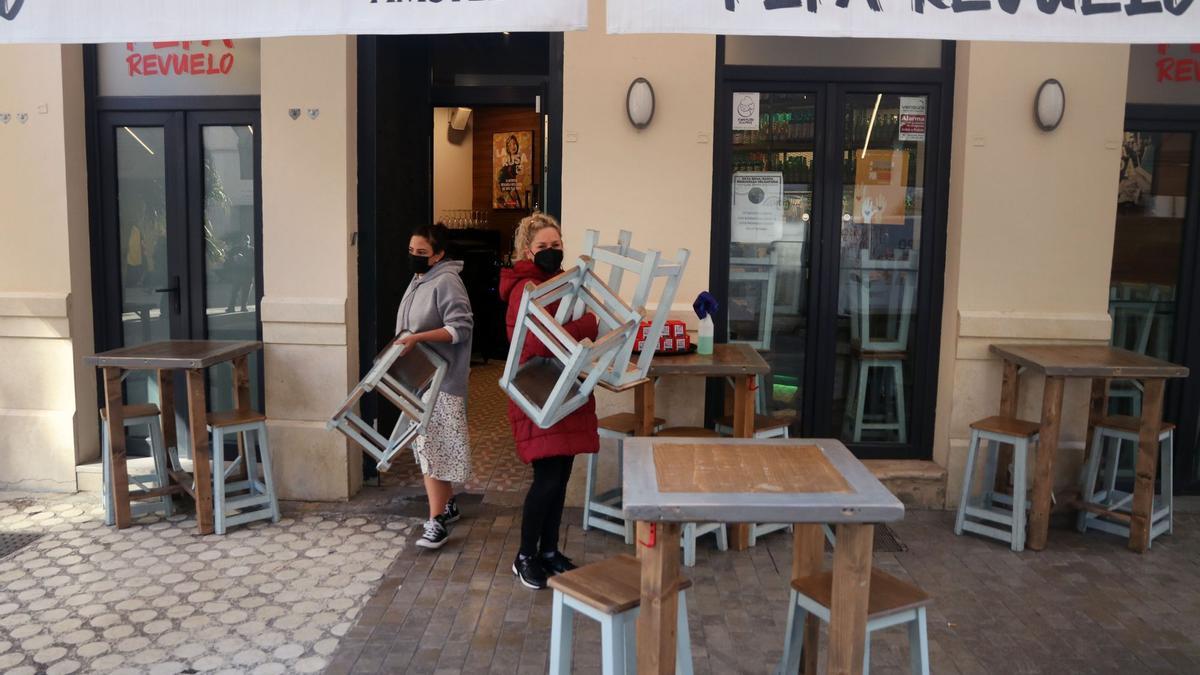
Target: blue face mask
(548, 260)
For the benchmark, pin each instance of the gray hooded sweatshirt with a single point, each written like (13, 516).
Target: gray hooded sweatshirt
(438, 299)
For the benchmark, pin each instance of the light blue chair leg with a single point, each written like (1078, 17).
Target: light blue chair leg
(1020, 462)
(218, 477)
(689, 545)
(264, 448)
(628, 628)
(1087, 483)
(158, 448)
(793, 638)
(968, 479)
(867, 653)
(860, 402)
(989, 473)
(106, 488)
(683, 647)
(1168, 479)
(562, 633)
(589, 490)
(722, 538)
(1110, 470)
(901, 415)
(918, 644)
(612, 646)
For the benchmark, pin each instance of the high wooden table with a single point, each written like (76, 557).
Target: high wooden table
(1098, 363)
(193, 357)
(668, 481)
(741, 363)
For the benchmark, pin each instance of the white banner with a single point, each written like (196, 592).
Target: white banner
(86, 21)
(1120, 21)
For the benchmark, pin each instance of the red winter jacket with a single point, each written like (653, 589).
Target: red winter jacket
(576, 433)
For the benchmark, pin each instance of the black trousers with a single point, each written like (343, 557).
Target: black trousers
(542, 514)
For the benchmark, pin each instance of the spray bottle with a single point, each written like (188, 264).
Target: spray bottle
(705, 306)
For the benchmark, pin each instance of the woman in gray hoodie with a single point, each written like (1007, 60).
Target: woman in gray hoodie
(435, 310)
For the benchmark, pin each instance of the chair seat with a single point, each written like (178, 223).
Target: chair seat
(230, 418)
(625, 423)
(537, 378)
(763, 422)
(132, 411)
(868, 355)
(889, 595)
(1130, 424)
(611, 586)
(687, 432)
(1008, 426)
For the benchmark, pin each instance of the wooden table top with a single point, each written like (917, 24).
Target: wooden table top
(746, 480)
(727, 359)
(170, 354)
(1088, 361)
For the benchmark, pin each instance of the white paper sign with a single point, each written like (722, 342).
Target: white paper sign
(745, 111)
(912, 118)
(757, 208)
(87, 21)
(1112, 21)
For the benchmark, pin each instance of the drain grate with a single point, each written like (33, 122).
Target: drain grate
(11, 542)
(886, 541)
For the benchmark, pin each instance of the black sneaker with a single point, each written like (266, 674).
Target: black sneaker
(529, 570)
(451, 514)
(435, 534)
(556, 563)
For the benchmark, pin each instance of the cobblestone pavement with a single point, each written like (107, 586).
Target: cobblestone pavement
(157, 598)
(1085, 605)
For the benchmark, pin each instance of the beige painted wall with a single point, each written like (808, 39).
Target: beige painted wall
(452, 167)
(47, 395)
(1031, 223)
(310, 311)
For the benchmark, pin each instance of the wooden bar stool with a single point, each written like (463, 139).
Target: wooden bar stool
(1109, 509)
(693, 531)
(603, 511)
(255, 496)
(892, 602)
(146, 415)
(609, 592)
(991, 506)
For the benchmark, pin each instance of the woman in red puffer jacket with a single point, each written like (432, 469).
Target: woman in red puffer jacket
(539, 249)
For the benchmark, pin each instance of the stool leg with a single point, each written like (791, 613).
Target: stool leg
(722, 538)
(612, 647)
(218, 478)
(1020, 462)
(629, 524)
(1168, 479)
(683, 648)
(1091, 470)
(589, 489)
(562, 633)
(860, 400)
(248, 447)
(968, 479)
(829, 536)
(793, 638)
(918, 644)
(159, 450)
(628, 628)
(867, 653)
(264, 449)
(1112, 463)
(901, 415)
(106, 487)
(689, 545)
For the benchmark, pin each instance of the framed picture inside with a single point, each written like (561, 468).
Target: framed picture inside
(512, 168)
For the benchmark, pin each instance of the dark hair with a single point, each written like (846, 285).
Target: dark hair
(437, 235)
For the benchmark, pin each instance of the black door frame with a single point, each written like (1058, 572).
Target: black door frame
(830, 86)
(1182, 404)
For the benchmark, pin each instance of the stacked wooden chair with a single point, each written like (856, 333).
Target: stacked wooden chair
(549, 389)
(409, 379)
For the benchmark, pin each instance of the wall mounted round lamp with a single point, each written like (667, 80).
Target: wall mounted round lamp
(639, 103)
(1049, 105)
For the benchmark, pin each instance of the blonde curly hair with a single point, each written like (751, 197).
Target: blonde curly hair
(528, 228)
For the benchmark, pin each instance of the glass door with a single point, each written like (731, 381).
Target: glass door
(179, 236)
(827, 209)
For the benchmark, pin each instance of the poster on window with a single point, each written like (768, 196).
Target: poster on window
(513, 186)
(757, 209)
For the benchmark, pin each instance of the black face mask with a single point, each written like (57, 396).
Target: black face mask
(548, 259)
(419, 264)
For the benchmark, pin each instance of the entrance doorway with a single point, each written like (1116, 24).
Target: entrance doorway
(178, 244)
(830, 202)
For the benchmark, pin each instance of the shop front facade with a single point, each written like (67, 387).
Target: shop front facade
(923, 216)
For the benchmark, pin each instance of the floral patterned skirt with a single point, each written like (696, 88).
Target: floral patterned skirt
(444, 450)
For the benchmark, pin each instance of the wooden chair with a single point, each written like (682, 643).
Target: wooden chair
(892, 602)
(146, 415)
(648, 266)
(242, 501)
(549, 389)
(993, 507)
(603, 511)
(879, 352)
(1109, 509)
(609, 592)
(763, 272)
(408, 379)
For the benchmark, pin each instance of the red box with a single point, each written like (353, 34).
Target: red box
(674, 337)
